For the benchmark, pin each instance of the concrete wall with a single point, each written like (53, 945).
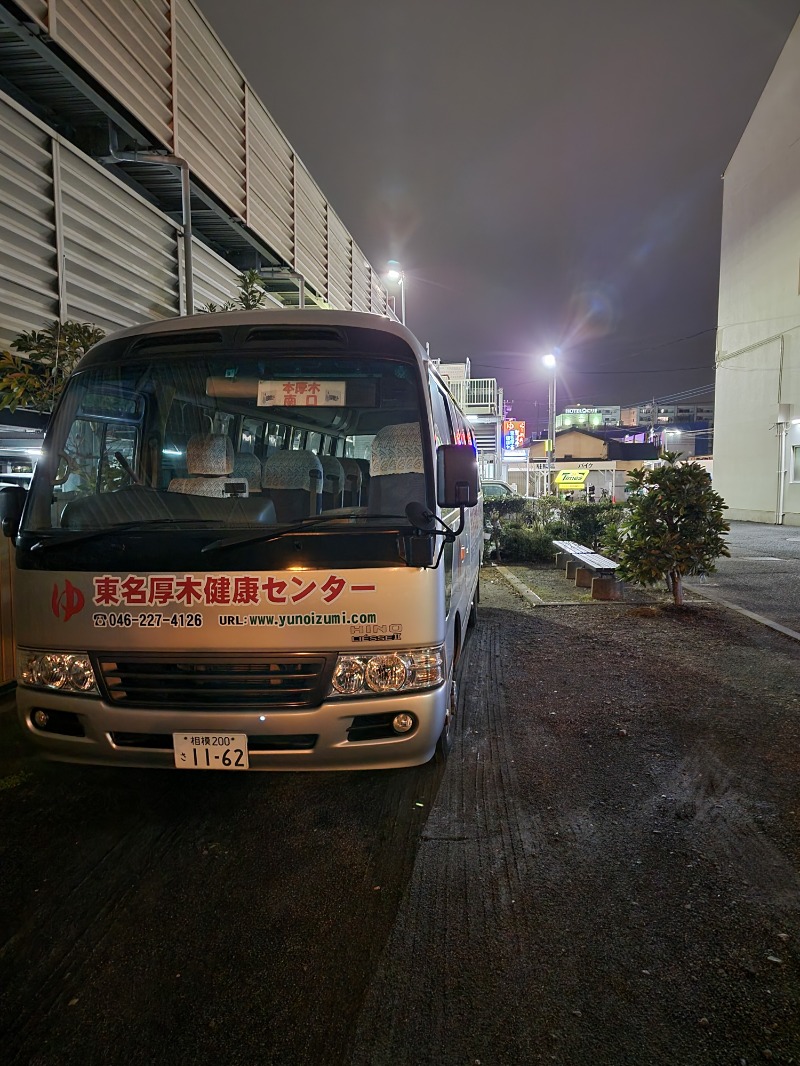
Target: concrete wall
(758, 339)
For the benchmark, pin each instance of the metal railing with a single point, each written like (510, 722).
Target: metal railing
(476, 393)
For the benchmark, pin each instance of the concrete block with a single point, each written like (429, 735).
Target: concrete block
(572, 567)
(583, 578)
(607, 588)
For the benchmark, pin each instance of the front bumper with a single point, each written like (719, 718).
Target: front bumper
(321, 738)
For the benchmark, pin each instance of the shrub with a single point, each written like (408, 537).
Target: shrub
(560, 530)
(529, 527)
(587, 522)
(525, 545)
(505, 506)
(543, 511)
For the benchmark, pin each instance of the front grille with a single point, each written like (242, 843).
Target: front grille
(274, 742)
(232, 683)
(281, 742)
(157, 741)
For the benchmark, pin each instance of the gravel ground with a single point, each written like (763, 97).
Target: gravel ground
(609, 874)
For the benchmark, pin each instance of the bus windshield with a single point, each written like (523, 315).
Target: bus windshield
(233, 439)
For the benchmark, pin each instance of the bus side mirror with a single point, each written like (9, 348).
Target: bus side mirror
(12, 500)
(457, 482)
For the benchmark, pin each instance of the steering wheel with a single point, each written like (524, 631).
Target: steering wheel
(126, 466)
(70, 467)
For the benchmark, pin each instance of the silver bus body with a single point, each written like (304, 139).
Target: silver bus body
(236, 552)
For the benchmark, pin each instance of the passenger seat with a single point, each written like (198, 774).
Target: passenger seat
(209, 462)
(352, 482)
(248, 466)
(332, 482)
(397, 469)
(294, 482)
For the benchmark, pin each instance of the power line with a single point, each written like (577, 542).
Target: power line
(687, 394)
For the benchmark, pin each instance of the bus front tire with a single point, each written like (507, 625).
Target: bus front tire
(444, 744)
(472, 617)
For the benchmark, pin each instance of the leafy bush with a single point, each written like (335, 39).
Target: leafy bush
(560, 531)
(517, 543)
(527, 528)
(504, 506)
(542, 512)
(587, 522)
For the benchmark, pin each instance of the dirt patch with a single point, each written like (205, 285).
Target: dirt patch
(660, 748)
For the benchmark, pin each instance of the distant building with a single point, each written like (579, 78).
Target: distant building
(688, 439)
(596, 462)
(482, 402)
(665, 414)
(588, 416)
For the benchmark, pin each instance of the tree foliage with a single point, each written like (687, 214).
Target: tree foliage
(672, 527)
(35, 378)
(252, 294)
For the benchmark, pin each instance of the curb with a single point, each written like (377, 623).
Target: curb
(743, 610)
(528, 594)
(518, 586)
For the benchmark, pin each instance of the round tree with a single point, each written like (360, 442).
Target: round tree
(672, 526)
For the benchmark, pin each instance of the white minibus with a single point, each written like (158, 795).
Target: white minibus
(252, 541)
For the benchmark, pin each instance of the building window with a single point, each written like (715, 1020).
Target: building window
(796, 462)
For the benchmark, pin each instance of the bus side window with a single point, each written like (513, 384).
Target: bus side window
(441, 419)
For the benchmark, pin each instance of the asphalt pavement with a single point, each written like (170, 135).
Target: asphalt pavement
(762, 575)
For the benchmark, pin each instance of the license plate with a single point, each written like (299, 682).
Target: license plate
(210, 751)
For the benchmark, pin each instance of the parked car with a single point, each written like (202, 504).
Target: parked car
(494, 490)
(497, 490)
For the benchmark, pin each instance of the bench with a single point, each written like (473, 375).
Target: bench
(589, 569)
(571, 549)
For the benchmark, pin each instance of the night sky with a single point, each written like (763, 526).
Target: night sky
(548, 172)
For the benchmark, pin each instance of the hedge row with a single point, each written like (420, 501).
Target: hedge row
(524, 530)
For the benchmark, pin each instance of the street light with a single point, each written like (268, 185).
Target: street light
(550, 362)
(395, 273)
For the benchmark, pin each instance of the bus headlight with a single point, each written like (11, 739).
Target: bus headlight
(382, 673)
(58, 671)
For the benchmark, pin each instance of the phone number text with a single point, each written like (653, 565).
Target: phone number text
(151, 620)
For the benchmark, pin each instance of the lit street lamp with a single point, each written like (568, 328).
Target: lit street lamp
(550, 362)
(395, 273)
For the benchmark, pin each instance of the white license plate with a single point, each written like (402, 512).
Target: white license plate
(210, 751)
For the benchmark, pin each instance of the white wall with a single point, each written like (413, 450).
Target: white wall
(758, 338)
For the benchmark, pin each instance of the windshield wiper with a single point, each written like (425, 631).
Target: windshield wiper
(311, 522)
(55, 538)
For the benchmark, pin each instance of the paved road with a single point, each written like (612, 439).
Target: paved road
(762, 574)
